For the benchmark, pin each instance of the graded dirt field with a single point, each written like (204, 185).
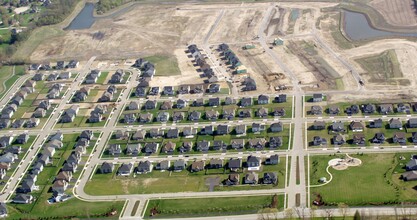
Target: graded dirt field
(397, 12)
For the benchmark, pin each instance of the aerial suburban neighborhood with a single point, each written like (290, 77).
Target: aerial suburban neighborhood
(208, 109)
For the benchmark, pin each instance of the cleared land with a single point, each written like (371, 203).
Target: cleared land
(362, 185)
(397, 12)
(383, 68)
(176, 208)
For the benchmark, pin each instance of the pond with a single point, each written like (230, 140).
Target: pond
(357, 27)
(84, 19)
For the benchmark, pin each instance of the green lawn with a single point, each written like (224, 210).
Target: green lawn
(6, 76)
(102, 77)
(176, 208)
(164, 65)
(375, 182)
(157, 182)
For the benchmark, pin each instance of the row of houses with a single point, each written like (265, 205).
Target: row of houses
(10, 153)
(54, 76)
(60, 65)
(200, 61)
(108, 94)
(8, 111)
(232, 59)
(147, 68)
(63, 178)
(357, 126)
(213, 102)
(69, 114)
(97, 114)
(252, 163)
(383, 109)
(117, 77)
(92, 76)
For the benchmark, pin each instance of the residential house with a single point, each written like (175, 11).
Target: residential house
(338, 127)
(222, 129)
(395, 123)
(276, 127)
(194, 116)
(4, 123)
(144, 167)
(212, 115)
(338, 140)
(168, 148)
(403, 108)
(409, 176)
(399, 137)
(52, 77)
(214, 101)
(133, 149)
(166, 105)
(22, 138)
(272, 160)
(179, 165)
(186, 146)
(59, 187)
(278, 112)
(251, 178)
(150, 104)
(203, 145)
(352, 110)
(414, 137)
(319, 125)
(316, 110)
(44, 104)
(151, 147)
(107, 167)
(140, 91)
(386, 109)
(181, 103)
(198, 102)
(145, 117)
(377, 123)
(173, 133)
(39, 113)
(197, 166)
(257, 127)
(235, 164)
(208, 130)
(162, 117)
(18, 123)
(133, 105)
(38, 77)
(232, 180)
(257, 143)
(318, 141)
(270, 178)
(214, 88)
(249, 84)
(379, 138)
(139, 135)
(334, 110)
(412, 123)
(253, 163)
(155, 133)
(69, 114)
(216, 163)
(154, 91)
(245, 113)
(117, 77)
(219, 145)
(356, 126)
(228, 113)
(237, 143)
(189, 132)
(411, 165)
(168, 90)
(246, 102)
(317, 97)
(6, 141)
(262, 112)
(240, 129)
(178, 116)
(21, 198)
(263, 100)
(281, 98)
(56, 144)
(114, 150)
(184, 89)
(275, 142)
(8, 158)
(125, 169)
(368, 109)
(229, 101)
(163, 165)
(92, 77)
(358, 139)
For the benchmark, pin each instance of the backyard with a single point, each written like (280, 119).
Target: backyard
(176, 208)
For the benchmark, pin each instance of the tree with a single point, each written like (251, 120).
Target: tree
(357, 216)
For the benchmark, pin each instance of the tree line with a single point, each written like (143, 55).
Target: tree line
(103, 6)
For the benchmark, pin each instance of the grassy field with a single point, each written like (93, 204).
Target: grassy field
(358, 186)
(383, 67)
(176, 208)
(7, 78)
(157, 182)
(164, 65)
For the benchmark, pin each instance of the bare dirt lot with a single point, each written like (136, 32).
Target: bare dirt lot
(397, 12)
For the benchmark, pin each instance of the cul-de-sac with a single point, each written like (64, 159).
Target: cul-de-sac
(208, 109)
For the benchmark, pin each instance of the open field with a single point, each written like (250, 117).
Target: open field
(397, 12)
(164, 65)
(7, 78)
(363, 185)
(382, 68)
(176, 208)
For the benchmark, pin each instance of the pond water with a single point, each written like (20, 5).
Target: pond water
(84, 19)
(356, 27)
